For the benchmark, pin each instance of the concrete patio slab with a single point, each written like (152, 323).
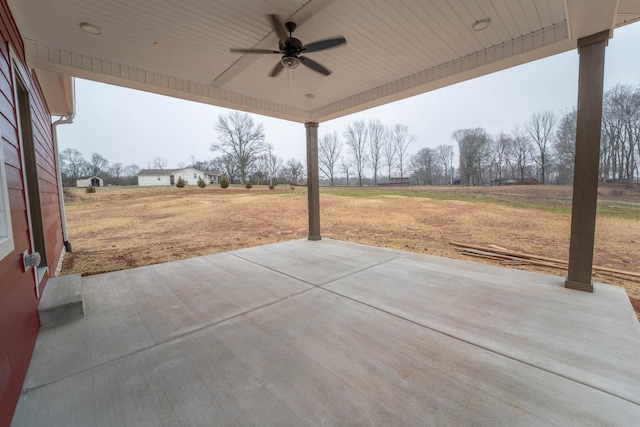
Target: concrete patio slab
(127, 311)
(590, 338)
(302, 260)
(402, 340)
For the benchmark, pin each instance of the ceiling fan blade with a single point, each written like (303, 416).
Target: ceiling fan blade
(277, 25)
(276, 70)
(253, 51)
(314, 65)
(324, 44)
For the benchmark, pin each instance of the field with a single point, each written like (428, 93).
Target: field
(118, 228)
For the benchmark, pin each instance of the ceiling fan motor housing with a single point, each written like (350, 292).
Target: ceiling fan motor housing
(291, 46)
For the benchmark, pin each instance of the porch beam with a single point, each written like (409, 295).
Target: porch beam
(313, 181)
(587, 160)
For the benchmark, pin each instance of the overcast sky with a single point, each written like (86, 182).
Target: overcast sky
(130, 126)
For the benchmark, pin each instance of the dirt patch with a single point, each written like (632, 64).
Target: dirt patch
(126, 228)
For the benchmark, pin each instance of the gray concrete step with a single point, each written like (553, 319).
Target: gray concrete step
(61, 300)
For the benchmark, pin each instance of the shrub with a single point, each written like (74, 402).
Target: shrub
(91, 189)
(224, 182)
(201, 183)
(271, 186)
(248, 185)
(180, 183)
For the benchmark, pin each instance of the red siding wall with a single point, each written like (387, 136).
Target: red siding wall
(18, 317)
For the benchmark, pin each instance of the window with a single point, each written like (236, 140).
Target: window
(195, 175)
(6, 232)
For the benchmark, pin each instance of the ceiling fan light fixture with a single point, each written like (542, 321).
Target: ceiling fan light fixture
(481, 24)
(290, 62)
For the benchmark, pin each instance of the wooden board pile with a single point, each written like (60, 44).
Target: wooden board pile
(509, 257)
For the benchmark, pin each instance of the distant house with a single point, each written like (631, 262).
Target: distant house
(149, 177)
(94, 181)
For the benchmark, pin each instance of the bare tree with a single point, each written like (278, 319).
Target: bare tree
(610, 153)
(98, 165)
(564, 147)
(130, 173)
(401, 140)
(116, 171)
(502, 149)
(275, 164)
(540, 128)
(328, 154)
(260, 171)
(272, 163)
(444, 154)
(346, 166)
(389, 155)
(73, 164)
(266, 167)
(378, 136)
(240, 139)
(621, 130)
(227, 166)
(475, 154)
(521, 151)
(158, 163)
(292, 171)
(425, 166)
(356, 139)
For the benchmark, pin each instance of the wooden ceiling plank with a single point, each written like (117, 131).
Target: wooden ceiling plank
(506, 18)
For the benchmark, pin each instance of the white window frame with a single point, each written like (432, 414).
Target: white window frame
(6, 230)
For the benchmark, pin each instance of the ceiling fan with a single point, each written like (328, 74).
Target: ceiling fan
(291, 49)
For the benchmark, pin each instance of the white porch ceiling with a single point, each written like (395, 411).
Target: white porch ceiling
(395, 48)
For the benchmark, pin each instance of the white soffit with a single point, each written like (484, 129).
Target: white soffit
(587, 17)
(59, 91)
(394, 49)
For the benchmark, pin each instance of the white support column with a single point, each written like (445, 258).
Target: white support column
(313, 181)
(587, 161)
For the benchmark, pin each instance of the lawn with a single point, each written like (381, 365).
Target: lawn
(125, 227)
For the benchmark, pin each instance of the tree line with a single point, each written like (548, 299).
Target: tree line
(245, 157)
(543, 149)
(74, 166)
(365, 149)
(540, 151)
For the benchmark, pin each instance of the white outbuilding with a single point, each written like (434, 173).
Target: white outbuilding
(149, 177)
(93, 181)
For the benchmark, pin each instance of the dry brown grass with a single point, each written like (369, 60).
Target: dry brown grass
(116, 229)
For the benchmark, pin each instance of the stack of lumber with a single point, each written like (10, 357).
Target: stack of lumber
(509, 257)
